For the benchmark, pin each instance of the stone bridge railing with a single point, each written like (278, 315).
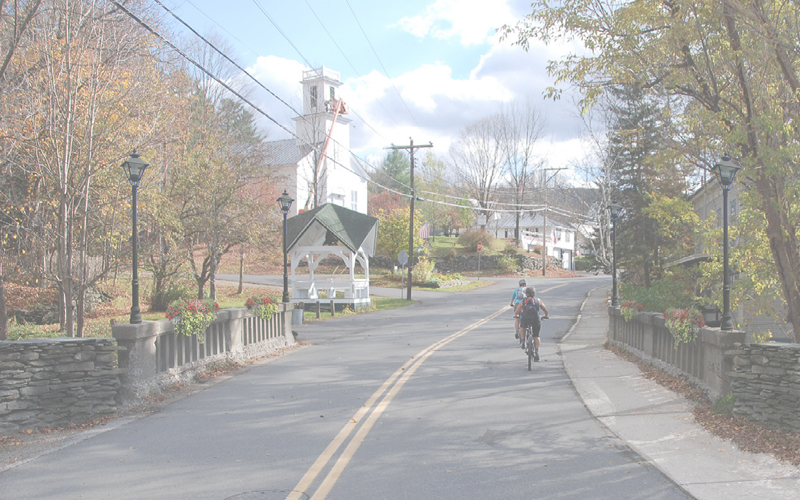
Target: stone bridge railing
(707, 362)
(156, 356)
(56, 382)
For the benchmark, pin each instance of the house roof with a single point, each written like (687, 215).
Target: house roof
(329, 223)
(286, 152)
(527, 220)
(689, 260)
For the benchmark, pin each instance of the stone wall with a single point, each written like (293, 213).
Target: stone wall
(766, 384)
(466, 263)
(56, 382)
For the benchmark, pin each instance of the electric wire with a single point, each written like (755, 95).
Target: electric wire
(354, 70)
(257, 82)
(266, 115)
(281, 32)
(382, 66)
(218, 24)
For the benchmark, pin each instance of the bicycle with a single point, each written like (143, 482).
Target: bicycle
(530, 350)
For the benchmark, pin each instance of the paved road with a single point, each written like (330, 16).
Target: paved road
(429, 401)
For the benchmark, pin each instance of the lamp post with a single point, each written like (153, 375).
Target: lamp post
(614, 208)
(134, 169)
(286, 203)
(725, 171)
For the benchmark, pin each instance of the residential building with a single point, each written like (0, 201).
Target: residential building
(560, 240)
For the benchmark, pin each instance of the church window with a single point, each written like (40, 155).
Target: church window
(333, 93)
(313, 96)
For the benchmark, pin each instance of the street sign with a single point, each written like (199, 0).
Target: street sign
(479, 246)
(402, 258)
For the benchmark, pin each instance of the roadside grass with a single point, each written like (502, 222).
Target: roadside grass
(376, 304)
(118, 312)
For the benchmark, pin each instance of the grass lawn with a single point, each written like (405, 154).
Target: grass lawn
(377, 304)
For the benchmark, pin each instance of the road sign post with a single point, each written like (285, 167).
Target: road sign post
(402, 258)
(480, 247)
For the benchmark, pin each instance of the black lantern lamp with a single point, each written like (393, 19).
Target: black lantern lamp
(725, 172)
(286, 203)
(134, 168)
(614, 209)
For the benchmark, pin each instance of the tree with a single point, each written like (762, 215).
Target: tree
(394, 173)
(222, 206)
(732, 67)
(13, 31)
(77, 77)
(521, 128)
(639, 168)
(393, 234)
(477, 160)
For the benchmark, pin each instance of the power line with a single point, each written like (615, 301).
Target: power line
(265, 114)
(281, 32)
(382, 66)
(354, 70)
(257, 82)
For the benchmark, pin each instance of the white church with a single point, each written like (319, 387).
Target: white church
(328, 174)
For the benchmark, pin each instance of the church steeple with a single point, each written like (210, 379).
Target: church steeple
(319, 86)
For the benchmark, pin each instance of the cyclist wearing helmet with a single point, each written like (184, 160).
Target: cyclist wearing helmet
(529, 309)
(516, 298)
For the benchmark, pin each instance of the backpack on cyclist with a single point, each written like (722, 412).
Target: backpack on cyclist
(530, 310)
(520, 294)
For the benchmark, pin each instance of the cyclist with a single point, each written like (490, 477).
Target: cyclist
(516, 298)
(528, 309)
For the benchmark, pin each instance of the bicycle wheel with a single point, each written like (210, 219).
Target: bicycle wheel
(529, 345)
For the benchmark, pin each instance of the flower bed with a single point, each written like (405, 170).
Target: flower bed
(263, 307)
(684, 323)
(192, 316)
(444, 280)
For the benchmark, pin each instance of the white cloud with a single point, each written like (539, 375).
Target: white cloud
(282, 77)
(441, 104)
(473, 22)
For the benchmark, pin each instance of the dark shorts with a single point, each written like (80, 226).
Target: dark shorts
(535, 326)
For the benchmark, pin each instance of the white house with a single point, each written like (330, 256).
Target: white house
(559, 241)
(326, 172)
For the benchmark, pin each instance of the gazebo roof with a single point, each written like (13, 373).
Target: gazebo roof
(328, 223)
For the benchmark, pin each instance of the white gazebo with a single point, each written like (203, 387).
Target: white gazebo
(331, 230)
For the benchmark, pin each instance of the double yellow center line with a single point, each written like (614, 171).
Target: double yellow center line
(387, 390)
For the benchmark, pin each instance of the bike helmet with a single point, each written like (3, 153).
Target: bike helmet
(522, 282)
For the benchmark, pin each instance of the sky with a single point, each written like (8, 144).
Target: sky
(417, 69)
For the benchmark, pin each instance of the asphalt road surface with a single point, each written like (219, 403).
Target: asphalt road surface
(431, 401)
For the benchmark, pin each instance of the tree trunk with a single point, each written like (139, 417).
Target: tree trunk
(241, 272)
(3, 315)
(81, 303)
(783, 245)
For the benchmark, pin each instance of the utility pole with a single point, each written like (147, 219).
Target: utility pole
(544, 228)
(411, 147)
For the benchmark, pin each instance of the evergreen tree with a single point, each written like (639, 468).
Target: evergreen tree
(637, 133)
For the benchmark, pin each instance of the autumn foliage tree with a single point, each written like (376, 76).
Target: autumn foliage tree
(731, 68)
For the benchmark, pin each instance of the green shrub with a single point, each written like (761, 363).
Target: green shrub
(724, 405)
(423, 270)
(168, 295)
(507, 263)
(511, 248)
(587, 263)
(470, 239)
(666, 293)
